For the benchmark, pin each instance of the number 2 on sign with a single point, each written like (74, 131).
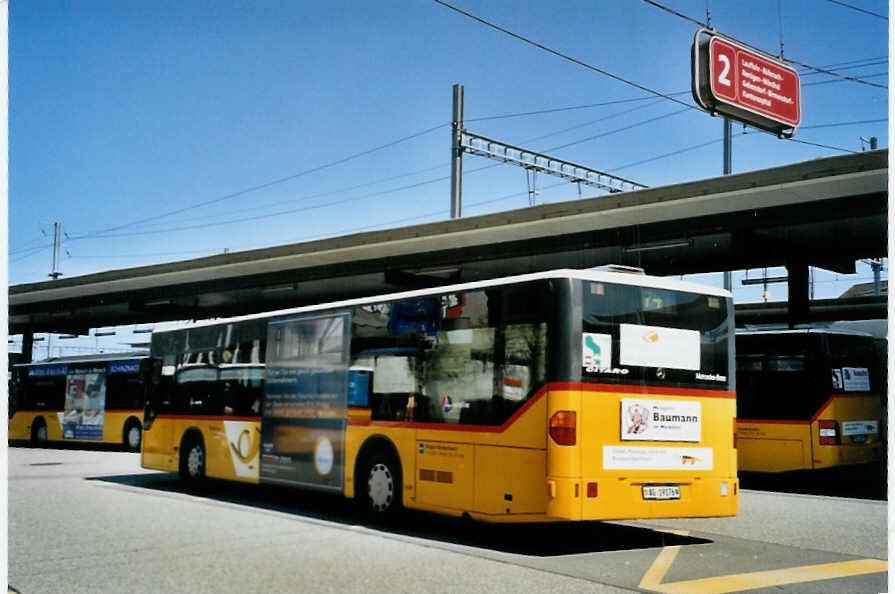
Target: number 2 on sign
(722, 76)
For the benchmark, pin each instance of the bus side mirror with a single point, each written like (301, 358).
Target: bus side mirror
(151, 371)
(151, 374)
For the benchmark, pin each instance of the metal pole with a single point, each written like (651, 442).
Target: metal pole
(727, 146)
(876, 266)
(56, 243)
(727, 169)
(457, 153)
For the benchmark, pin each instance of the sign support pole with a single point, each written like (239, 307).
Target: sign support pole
(728, 148)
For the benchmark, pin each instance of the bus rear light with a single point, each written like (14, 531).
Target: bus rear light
(591, 489)
(562, 427)
(829, 432)
(723, 489)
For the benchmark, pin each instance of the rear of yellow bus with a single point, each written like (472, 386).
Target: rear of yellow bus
(645, 427)
(810, 400)
(848, 430)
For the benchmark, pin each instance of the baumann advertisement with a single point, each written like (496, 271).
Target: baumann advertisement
(85, 404)
(306, 401)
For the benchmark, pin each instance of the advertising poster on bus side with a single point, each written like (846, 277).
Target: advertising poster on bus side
(85, 404)
(306, 401)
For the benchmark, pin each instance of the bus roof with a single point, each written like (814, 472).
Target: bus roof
(837, 331)
(597, 275)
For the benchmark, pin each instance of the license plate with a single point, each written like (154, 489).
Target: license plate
(663, 492)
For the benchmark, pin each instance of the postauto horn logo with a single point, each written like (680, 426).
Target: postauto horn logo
(651, 337)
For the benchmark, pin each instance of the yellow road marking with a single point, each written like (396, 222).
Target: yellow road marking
(777, 577)
(653, 576)
(652, 579)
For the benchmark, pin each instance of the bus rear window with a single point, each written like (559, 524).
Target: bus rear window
(777, 376)
(655, 336)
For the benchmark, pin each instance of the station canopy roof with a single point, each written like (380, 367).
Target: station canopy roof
(826, 212)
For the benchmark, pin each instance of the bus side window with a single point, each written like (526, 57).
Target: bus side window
(198, 391)
(241, 390)
(394, 382)
(124, 391)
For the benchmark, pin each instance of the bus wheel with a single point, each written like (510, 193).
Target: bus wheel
(192, 459)
(39, 432)
(132, 435)
(381, 485)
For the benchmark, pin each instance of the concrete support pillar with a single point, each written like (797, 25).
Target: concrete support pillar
(27, 346)
(797, 285)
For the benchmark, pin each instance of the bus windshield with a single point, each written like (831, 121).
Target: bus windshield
(655, 336)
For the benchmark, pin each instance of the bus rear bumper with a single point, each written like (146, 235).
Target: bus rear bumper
(612, 498)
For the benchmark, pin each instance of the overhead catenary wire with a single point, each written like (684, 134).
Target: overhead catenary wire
(29, 247)
(281, 180)
(790, 60)
(443, 178)
(842, 76)
(865, 11)
(444, 212)
(622, 129)
(844, 79)
(835, 148)
(264, 216)
(571, 108)
(848, 65)
(562, 55)
(839, 124)
(256, 207)
(673, 153)
(103, 235)
(273, 182)
(680, 14)
(32, 252)
(592, 122)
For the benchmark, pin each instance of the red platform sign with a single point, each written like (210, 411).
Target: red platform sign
(745, 84)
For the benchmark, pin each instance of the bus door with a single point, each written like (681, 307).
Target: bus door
(305, 409)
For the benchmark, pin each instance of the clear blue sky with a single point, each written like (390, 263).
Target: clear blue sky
(124, 111)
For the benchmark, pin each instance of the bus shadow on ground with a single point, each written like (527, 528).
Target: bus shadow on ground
(62, 445)
(538, 540)
(855, 482)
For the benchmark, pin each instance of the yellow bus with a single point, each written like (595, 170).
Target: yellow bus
(564, 395)
(809, 399)
(87, 399)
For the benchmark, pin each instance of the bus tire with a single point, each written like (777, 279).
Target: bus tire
(132, 435)
(39, 432)
(192, 458)
(379, 485)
